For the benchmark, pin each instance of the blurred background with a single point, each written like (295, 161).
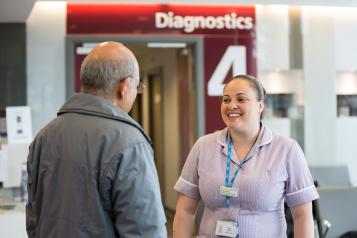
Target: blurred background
(304, 52)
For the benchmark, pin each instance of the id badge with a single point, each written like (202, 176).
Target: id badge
(228, 191)
(227, 228)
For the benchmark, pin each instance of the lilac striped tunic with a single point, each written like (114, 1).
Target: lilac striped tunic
(276, 169)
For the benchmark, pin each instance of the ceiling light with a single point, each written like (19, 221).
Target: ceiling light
(166, 45)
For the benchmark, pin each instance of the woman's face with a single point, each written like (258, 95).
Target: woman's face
(240, 109)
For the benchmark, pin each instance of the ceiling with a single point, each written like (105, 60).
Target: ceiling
(15, 11)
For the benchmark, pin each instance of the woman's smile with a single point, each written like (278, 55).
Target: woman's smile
(233, 115)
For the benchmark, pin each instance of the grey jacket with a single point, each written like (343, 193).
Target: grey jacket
(92, 174)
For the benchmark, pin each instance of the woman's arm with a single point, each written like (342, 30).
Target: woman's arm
(183, 226)
(303, 221)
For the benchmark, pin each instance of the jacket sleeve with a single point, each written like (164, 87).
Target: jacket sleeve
(136, 197)
(32, 161)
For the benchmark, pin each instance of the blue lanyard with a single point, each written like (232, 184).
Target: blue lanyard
(228, 168)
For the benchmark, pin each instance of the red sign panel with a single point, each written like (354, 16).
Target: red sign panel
(215, 49)
(159, 19)
(228, 33)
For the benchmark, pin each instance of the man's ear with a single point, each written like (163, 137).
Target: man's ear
(122, 88)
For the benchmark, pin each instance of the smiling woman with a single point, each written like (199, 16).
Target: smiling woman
(243, 173)
(241, 106)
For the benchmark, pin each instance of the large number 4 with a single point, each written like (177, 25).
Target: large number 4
(234, 56)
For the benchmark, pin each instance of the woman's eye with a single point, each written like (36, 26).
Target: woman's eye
(226, 100)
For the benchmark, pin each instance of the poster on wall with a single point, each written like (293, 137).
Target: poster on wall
(19, 126)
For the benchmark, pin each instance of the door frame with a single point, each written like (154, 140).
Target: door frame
(197, 41)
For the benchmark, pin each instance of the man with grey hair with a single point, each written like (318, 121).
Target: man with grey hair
(91, 170)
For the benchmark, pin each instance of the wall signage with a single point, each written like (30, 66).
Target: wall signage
(190, 23)
(228, 34)
(18, 122)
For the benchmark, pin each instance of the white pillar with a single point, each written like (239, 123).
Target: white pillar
(319, 80)
(46, 31)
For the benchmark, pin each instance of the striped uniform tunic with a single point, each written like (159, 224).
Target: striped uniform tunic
(276, 169)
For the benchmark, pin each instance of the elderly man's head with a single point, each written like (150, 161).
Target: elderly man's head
(111, 70)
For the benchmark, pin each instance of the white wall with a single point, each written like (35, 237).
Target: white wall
(319, 78)
(345, 37)
(272, 27)
(346, 81)
(346, 145)
(279, 125)
(346, 84)
(46, 27)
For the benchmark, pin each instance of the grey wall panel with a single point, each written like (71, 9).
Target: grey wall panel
(12, 64)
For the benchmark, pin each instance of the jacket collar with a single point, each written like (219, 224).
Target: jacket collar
(265, 137)
(98, 106)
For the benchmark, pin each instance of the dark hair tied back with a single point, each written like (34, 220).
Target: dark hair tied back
(257, 85)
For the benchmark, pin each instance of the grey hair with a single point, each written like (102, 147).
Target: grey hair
(104, 75)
